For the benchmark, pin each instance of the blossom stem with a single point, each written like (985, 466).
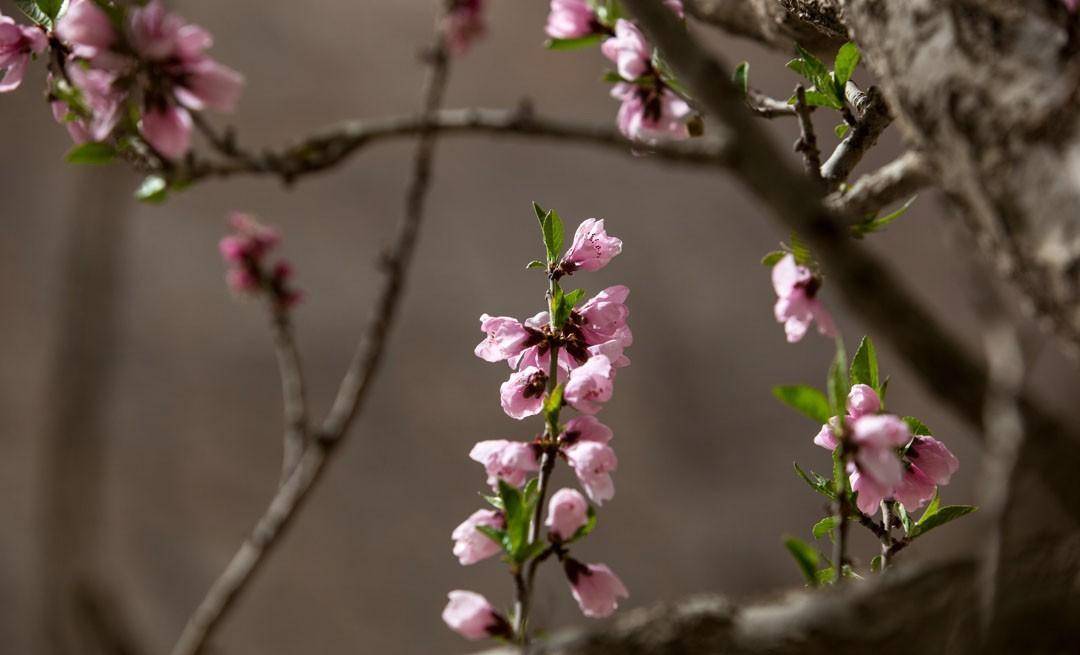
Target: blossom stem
(886, 535)
(843, 510)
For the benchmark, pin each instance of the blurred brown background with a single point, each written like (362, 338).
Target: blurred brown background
(188, 407)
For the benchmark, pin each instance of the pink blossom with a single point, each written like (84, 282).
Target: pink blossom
(1071, 5)
(933, 458)
(17, 43)
(100, 97)
(613, 350)
(250, 239)
(603, 317)
(523, 394)
(241, 280)
(862, 400)
(915, 488)
(590, 385)
(592, 248)
(651, 115)
(676, 6)
(870, 492)
(156, 33)
(595, 588)
(571, 19)
(463, 25)
(506, 338)
(629, 50)
(593, 463)
(567, 512)
(509, 461)
(167, 128)
(471, 615)
(826, 437)
(86, 28)
(471, 545)
(797, 305)
(585, 428)
(207, 84)
(876, 438)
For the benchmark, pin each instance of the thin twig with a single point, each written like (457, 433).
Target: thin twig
(895, 181)
(874, 117)
(362, 370)
(331, 146)
(292, 392)
(767, 106)
(943, 365)
(806, 145)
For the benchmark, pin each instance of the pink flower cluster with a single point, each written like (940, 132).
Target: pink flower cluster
(157, 61)
(797, 304)
(590, 345)
(888, 462)
(245, 251)
(17, 44)
(463, 25)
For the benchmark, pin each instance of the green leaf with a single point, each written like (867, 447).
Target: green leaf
(806, 558)
(878, 224)
(494, 501)
(553, 402)
(805, 399)
(825, 576)
(939, 518)
(91, 153)
(152, 190)
(495, 534)
(536, 263)
(841, 130)
(741, 77)
(552, 227)
(573, 44)
(773, 258)
(875, 564)
(838, 383)
(917, 427)
(905, 518)
(575, 296)
(517, 518)
(812, 67)
(839, 475)
(541, 214)
(935, 502)
(846, 60)
(52, 8)
(864, 366)
(816, 98)
(816, 482)
(801, 251)
(611, 77)
(32, 11)
(825, 527)
(560, 308)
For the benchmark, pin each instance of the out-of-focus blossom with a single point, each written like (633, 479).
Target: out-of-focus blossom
(509, 461)
(471, 615)
(629, 50)
(650, 116)
(567, 512)
(244, 251)
(463, 25)
(102, 102)
(571, 19)
(797, 304)
(86, 28)
(17, 43)
(167, 128)
(595, 588)
(471, 545)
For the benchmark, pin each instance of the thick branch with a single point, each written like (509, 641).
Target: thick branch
(294, 490)
(898, 180)
(944, 365)
(773, 23)
(873, 119)
(333, 145)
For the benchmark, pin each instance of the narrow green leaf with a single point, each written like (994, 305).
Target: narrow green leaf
(91, 153)
(801, 251)
(939, 518)
(52, 8)
(847, 58)
(818, 98)
(152, 190)
(816, 482)
(612, 77)
(825, 527)
(553, 402)
(541, 214)
(536, 263)
(552, 228)
(575, 296)
(878, 224)
(917, 427)
(815, 70)
(805, 557)
(32, 11)
(799, 66)
(875, 564)
(772, 258)
(864, 366)
(841, 130)
(573, 44)
(905, 518)
(932, 508)
(494, 501)
(825, 576)
(805, 399)
(495, 534)
(838, 383)
(741, 78)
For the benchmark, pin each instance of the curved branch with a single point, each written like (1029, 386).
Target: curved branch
(895, 181)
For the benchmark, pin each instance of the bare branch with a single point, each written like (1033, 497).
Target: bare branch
(893, 182)
(292, 392)
(873, 119)
(330, 147)
(362, 370)
(944, 366)
(767, 106)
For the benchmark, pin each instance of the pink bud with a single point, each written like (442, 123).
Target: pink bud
(596, 589)
(167, 129)
(797, 305)
(571, 19)
(592, 248)
(522, 394)
(593, 463)
(629, 50)
(567, 512)
(470, 615)
(471, 545)
(933, 459)
(509, 461)
(862, 400)
(590, 385)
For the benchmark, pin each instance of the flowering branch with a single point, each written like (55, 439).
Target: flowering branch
(945, 366)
